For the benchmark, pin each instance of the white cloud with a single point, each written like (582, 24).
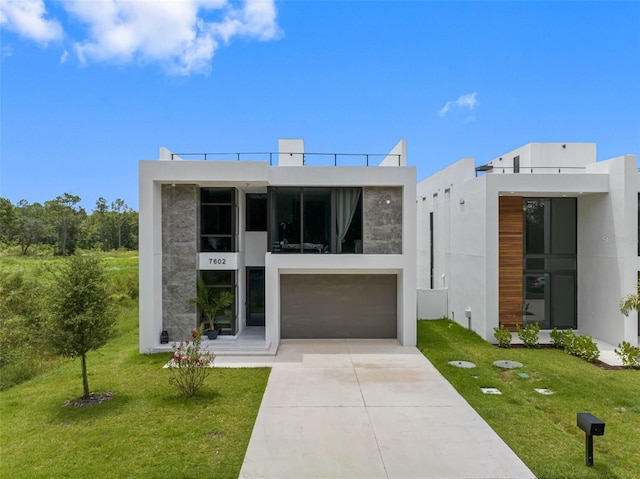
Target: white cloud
(182, 35)
(464, 101)
(27, 18)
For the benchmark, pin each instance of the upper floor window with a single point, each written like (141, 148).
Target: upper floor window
(256, 212)
(316, 220)
(217, 219)
(550, 226)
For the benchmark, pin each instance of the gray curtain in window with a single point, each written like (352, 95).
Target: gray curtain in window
(347, 199)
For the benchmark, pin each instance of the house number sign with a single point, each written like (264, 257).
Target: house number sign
(213, 261)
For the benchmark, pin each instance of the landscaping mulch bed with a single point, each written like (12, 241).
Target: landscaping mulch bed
(92, 400)
(600, 364)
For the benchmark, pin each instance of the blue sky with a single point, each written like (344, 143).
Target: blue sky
(89, 88)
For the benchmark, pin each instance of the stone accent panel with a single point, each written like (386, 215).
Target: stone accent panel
(382, 220)
(180, 219)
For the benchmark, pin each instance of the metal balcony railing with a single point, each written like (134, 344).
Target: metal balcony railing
(308, 159)
(528, 169)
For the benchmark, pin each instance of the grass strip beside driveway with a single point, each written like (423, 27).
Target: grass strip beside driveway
(542, 429)
(146, 430)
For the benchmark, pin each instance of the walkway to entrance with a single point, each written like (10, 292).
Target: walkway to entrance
(368, 409)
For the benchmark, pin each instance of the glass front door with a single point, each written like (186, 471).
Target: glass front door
(550, 262)
(550, 300)
(255, 297)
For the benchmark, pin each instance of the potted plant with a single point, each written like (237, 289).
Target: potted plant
(209, 303)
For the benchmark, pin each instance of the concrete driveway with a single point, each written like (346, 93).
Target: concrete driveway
(368, 409)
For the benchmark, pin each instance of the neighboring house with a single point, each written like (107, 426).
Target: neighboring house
(542, 234)
(307, 251)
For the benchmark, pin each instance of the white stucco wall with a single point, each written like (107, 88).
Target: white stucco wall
(252, 246)
(461, 225)
(607, 252)
(466, 234)
(255, 247)
(546, 158)
(392, 159)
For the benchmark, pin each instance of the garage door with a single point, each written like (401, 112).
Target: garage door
(338, 306)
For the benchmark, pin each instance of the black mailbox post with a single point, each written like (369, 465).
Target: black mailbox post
(592, 426)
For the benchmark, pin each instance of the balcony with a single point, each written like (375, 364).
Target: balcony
(308, 159)
(523, 170)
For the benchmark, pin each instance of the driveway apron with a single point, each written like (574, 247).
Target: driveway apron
(369, 409)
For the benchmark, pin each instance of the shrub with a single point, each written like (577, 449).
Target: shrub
(529, 335)
(630, 355)
(562, 339)
(583, 347)
(190, 365)
(124, 285)
(557, 338)
(503, 336)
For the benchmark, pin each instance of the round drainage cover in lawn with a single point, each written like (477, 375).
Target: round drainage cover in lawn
(462, 364)
(507, 364)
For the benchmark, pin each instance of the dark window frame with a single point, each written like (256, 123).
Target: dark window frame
(332, 246)
(550, 273)
(250, 207)
(232, 235)
(233, 286)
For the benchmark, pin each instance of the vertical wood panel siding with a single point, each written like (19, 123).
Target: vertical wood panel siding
(510, 265)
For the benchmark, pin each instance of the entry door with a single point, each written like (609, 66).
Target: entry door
(550, 300)
(255, 296)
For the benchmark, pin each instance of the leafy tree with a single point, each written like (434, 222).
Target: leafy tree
(8, 220)
(101, 220)
(82, 319)
(66, 215)
(63, 223)
(31, 226)
(630, 302)
(120, 210)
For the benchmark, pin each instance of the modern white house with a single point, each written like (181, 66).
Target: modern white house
(310, 245)
(541, 234)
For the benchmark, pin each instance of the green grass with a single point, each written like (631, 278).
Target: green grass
(147, 430)
(542, 429)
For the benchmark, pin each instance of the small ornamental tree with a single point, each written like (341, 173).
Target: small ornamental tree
(81, 319)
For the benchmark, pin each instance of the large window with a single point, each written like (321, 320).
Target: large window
(316, 220)
(225, 321)
(550, 245)
(217, 219)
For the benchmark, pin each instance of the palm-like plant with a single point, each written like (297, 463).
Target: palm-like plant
(630, 302)
(210, 302)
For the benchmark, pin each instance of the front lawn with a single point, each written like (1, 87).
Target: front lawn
(542, 429)
(146, 430)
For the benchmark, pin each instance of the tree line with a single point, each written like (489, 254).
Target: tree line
(61, 225)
